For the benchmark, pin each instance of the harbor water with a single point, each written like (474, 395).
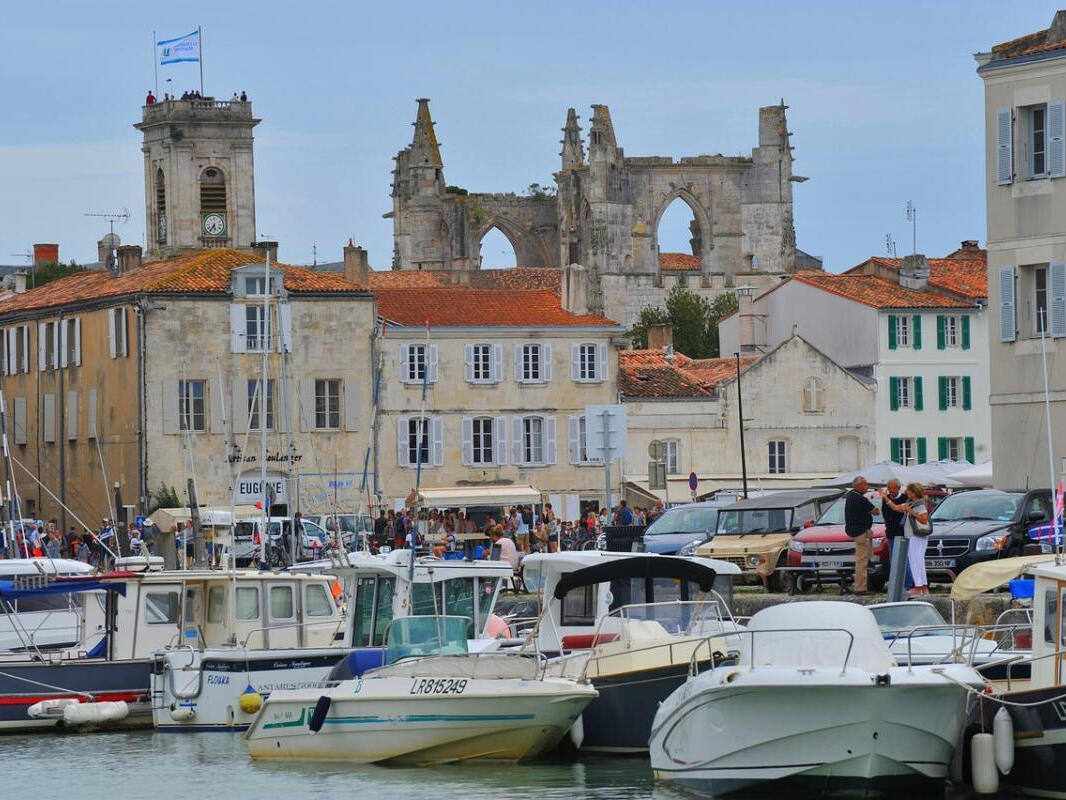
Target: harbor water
(206, 766)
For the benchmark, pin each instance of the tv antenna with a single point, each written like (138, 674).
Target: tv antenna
(912, 218)
(112, 218)
(890, 245)
(28, 255)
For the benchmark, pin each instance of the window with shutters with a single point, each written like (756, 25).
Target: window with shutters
(483, 444)
(328, 404)
(51, 346)
(588, 366)
(813, 396)
(418, 441)
(415, 368)
(257, 328)
(904, 392)
(192, 406)
(71, 343)
(671, 454)
(955, 448)
(1040, 300)
(533, 440)
(1036, 140)
(531, 363)
(908, 452)
(778, 452)
(117, 325)
(952, 392)
(257, 286)
(481, 363)
(22, 348)
(903, 331)
(255, 403)
(951, 331)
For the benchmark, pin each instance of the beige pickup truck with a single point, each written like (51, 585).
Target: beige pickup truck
(754, 533)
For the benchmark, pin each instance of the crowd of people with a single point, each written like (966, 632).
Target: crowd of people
(151, 99)
(38, 539)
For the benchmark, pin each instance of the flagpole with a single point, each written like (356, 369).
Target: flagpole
(200, 42)
(155, 64)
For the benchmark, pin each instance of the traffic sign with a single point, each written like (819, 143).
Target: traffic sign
(693, 481)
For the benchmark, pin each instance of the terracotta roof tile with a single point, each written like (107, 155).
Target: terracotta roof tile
(712, 371)
(1028, 45)
(647, 374)
(678, 262)
(515, 278)
(964, 272)
(877, 292)
(463, 306)
(202, 272)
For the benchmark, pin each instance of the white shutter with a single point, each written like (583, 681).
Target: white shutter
(237, 329)
(351, 404)
(402, 452)
(77, 342)
(436, 445)
(42, 347)
(431, 376)
(549, 440)
(499, 439)
(497, 363)
(112, 342)
(601, 362)
(25, 348)
(239, 408)
(20, 420)
(518, 364)
(282, 406)
(1057, 301)
(214, 401)
(72, 415)
(468, 362)
(405, 374)
(1004, 147)
(546, 362)
(12, 356)
(466, 440)
(575, 362)
(285, 322)
(1007, 326)
(516, 440)
(90, 424)
(49, 417)
(307, 404)
(170, 407)
(123, 331)
(61, 329)
(574, 438)
(1056, 147)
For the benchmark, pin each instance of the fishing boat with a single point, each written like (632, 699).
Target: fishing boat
(433, 702)
(815, 704)
(629, 623)
(219, 686)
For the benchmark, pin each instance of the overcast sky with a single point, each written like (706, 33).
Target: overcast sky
(885, 107)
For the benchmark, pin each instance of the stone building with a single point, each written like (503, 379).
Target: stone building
(806, 419)
(150, 374)
(604, 215)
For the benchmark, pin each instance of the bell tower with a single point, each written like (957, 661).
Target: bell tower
(199, 181)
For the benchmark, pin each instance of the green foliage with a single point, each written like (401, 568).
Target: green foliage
(164, 497)
(693, 319)
(540, 192)
(46, 273)
(455, 190)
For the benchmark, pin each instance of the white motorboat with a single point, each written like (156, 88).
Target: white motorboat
(424, 709)
(917, 633)
(815, 703)
(220, 685)
(41, 622)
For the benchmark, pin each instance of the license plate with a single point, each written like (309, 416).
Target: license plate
(828, 564)
(940, 563)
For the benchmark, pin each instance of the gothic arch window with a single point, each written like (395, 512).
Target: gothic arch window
(213, 203)
(496, 250)
(679, 236)
(160, 207)
(813, 396)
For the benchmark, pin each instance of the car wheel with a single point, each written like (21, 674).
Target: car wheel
(783, 582)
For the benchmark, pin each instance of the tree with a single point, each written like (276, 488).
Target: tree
(164, 497)
(693, 320)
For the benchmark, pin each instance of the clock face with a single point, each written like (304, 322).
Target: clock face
(214, 224)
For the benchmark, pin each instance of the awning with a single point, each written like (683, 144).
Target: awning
(466, 496)
(987, 575)
(650, 566)
(10, 591)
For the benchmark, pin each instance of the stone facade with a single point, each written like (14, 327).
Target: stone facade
(605, 213)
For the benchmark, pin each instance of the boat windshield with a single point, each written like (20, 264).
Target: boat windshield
(697, 519)
(416, 637)
(974, 505)
(756, 520)
(906, 616)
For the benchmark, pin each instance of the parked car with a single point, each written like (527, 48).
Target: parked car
(681, 529)
(982, 525)
(350, 525)
(247, 530)
(755, 533)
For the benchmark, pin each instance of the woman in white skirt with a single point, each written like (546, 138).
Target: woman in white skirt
(916, 530)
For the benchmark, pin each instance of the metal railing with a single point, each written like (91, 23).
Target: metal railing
(694, 661)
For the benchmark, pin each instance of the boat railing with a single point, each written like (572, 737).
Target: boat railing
(267, 628)
(717, 658)
(966, 640)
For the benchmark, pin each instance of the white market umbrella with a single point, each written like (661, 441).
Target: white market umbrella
(883, 471)
(979, 476)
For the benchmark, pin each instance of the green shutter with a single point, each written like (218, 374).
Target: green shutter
(917, 320)
(942, 391)
(894, 444)
(941, 336)
(918, 405)
(921, 450)
(891, 331)
(893, 394)
(965, 320)
(966, 392)
(969, 449)
(941, 447)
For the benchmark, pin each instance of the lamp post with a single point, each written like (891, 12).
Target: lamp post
(740, 421)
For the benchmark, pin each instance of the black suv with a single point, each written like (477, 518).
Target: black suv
(983, 525)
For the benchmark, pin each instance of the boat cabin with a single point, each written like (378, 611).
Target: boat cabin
(39, 621)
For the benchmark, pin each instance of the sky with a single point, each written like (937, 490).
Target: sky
(885, 107)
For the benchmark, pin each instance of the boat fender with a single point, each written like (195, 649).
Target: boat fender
(84, 713)
(577, 732)
(983, 764)
(319, 714)
(50, 709)
(250, 700)
(1003, 736)
(182, 713)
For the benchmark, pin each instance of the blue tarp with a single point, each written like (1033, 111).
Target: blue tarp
(8, 590)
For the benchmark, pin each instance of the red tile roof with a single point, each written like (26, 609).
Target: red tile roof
(202, 272)
(463, 306)
(678, 262)
(876, 292)
(647, 374)
(963, 273)
(514, 278)
(1044, 41)
(713, 371)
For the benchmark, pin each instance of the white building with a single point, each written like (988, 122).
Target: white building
(916, 327)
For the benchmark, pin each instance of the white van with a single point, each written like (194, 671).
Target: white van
(246, 531)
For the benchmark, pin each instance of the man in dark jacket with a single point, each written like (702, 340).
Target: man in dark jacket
(858, 520)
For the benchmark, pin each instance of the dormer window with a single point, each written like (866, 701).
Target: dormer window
(258, 286)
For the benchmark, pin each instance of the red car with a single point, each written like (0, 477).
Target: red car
(829, 553)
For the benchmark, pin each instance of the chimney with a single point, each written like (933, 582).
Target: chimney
(751, 326)
(20, 281)
(914, 274)
(129, 259)
(969, 245)
(575, 289)
(356, 265)
(660, 336)
(45, 254)
(105, 246)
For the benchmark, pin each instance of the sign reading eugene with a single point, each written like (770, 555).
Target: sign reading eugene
(250, 487)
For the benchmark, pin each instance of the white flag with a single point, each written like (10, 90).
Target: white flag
(184, 48)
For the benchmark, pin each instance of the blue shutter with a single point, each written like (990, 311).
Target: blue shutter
(893, 394)
(891, 331)
(921, 450)
(965, 321)
(966, 400)
(942, 448)
(916, 337)
(941, 336)
(969, 449)
(918, 404)
(894, 447)
(942, 393)
(1057, 299)
(1004, 148)
(1007, 326)
(1056, 147)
